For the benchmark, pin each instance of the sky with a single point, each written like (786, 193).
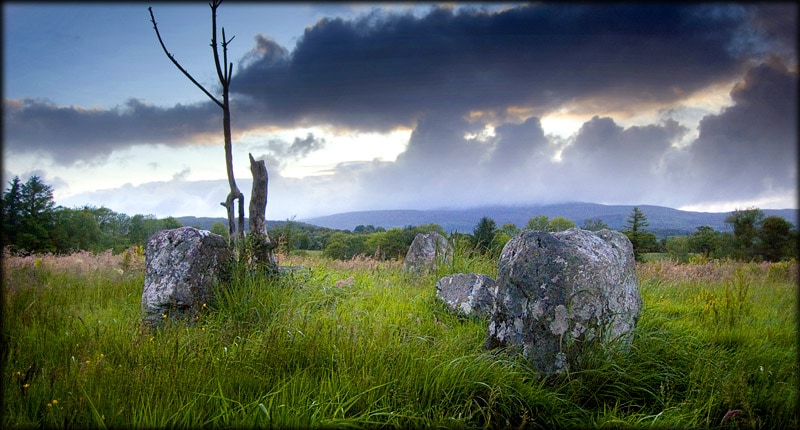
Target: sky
(405, 106)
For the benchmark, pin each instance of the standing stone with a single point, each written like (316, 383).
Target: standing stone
(426, 252)
(467, 294)
(181, 267)
(559, 293)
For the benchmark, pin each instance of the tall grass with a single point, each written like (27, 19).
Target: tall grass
(362, 343)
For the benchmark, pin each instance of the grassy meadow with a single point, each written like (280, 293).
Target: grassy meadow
(363, 344)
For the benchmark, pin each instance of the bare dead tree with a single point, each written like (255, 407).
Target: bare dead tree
(224, 73)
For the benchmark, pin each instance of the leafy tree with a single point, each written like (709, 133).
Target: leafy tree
(12, 211)
(745, 230)
(76, 229)
(397, 242)
(113, 227)
(637, 221)
(704, 240)
(648, 242)
(284, 235)
(725, 245)
(377, 244)
(169, 223)
(460, 240)
(220, 229)
(302, 240)
(509, 229)
(594, 224)
(427, 228)
(406, 238)
(538, 223)
(142, 227)
(560, 223)
(483, 234)
(343, 246)
(394, 243)
(36, 207)
(367, 229)
(388, 244)
(290, 235)
(678, 248)
(775, 238)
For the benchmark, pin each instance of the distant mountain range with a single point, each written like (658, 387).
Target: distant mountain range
(662, 221)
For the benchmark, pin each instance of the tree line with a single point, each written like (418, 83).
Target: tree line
(753, 237)
(33, 224)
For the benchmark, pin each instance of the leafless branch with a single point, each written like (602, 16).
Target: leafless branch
(214, 6)
(175, 62)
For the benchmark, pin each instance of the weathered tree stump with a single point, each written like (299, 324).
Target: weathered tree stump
(261, 255)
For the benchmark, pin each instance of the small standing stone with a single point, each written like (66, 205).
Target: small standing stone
(182, 266)
(426, 252)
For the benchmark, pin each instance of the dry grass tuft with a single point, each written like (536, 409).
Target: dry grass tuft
(715, 271)
(79, 263)
(359, 262)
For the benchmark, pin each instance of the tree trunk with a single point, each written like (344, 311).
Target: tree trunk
(234, 193)
(262, 255)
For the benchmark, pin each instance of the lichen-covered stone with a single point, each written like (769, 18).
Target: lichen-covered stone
(181, 267)
(467, 294)
(559, 293)
(426, 252)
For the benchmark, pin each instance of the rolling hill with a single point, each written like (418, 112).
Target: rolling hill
(663, 221)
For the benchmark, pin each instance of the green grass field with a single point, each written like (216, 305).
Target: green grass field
(361, 343)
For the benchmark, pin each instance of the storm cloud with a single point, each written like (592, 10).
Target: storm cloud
(752, 145)
(72, 134)
(474, 86)
(383, 70)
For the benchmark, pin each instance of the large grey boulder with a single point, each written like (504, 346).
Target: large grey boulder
(467, 294)
(182, 266)
(427, 252)
(560, 293)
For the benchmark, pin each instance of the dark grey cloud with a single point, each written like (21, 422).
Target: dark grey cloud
(752, 145)
(608, 162)
(601, 145)
(302, 147)
(277, 152)
(72, 134)
(437, 138)
(746, 152)
(776, 27)
(386, 69)
(438, 155)
(516, 145)
(450, 162)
